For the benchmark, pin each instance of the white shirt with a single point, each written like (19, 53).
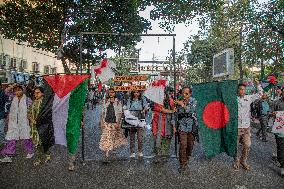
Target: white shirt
(244, 112)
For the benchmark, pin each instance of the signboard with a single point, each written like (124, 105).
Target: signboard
(130, 78)
(278, 126)
(223, 63)
(130, 88)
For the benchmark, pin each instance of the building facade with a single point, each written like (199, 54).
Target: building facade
(18, 62)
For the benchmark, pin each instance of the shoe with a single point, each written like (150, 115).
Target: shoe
(71, 166)
(182, 169)
(236, 165)
(276, 162)
(157, 160)
(106, 160)
(37, 163)
(6, 159)
(132, 155)
(140, 155)
(47, 158)
(29, 156)
(246, 166)
(282, 172)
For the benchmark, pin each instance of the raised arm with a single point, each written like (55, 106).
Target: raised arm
(259, 92)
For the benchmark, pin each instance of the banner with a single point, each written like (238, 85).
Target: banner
(278, 126)
(130, 78)
(130, 88)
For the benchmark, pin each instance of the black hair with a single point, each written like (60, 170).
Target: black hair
(40, 89)
(186, 87)
(132, 95)
(110, 89)
(241, 85)
(18, 87)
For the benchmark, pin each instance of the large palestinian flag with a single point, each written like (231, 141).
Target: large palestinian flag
(60, 116)
(217, 112)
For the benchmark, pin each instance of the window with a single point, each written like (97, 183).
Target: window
(13, 63)
(46, 69)
(24, 64)
(2, 60)
(35, 67)
(53, 70)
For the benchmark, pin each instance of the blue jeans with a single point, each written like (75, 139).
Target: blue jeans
(2, 133)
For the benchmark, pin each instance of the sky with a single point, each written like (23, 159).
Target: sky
(159, 47)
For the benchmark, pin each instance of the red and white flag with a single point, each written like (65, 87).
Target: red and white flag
(278, 126)
(104, 71)
(155, 92)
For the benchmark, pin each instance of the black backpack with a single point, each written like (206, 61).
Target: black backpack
(255, 108)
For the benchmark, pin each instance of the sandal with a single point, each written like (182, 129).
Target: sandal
(37, 163)
(71, 166)
(236, 165)
(246, 166)
(47, 158)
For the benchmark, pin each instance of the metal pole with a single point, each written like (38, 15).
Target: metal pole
(83, 128)
(240, 56)
(175, 92)
(126, 34)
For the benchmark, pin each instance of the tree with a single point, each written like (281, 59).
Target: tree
(127, 60)
(252, 29)
(54, 26)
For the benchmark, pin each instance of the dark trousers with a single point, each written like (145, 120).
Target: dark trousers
(186, 146)
(139, 132)
(280, 150)
(263, 126)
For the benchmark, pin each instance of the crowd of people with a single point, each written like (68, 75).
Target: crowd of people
(123, 115)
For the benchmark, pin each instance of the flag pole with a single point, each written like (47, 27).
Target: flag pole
(175, 92)
(83, 127)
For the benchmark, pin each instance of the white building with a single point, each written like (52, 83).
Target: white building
(21, 60)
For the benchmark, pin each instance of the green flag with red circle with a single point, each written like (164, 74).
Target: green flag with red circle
(217, 114)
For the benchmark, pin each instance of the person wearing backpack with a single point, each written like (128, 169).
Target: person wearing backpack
(137, 107)
(18, 125)
(263, 115)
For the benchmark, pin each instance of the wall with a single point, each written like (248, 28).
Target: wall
(22, 52)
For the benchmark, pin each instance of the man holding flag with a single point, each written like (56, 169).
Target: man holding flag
(244, 114)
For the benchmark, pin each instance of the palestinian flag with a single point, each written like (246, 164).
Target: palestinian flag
(217, 113)
(61, 112)
(270, 83)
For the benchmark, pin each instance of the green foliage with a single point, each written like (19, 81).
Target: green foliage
(126, 60)
(254, 30)
(43, 24)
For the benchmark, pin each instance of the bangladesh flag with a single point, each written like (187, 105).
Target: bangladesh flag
(217, 113)
(59, 120)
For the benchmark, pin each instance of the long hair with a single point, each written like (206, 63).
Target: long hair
(132, 95)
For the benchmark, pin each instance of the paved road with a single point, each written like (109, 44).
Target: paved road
(122, 173)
